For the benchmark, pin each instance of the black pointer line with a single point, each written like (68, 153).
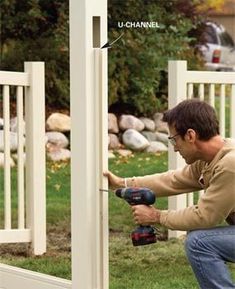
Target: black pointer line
(109, 45)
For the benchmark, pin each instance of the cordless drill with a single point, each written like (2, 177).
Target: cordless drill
(142, 235)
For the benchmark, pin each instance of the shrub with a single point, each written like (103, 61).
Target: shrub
(138, 62)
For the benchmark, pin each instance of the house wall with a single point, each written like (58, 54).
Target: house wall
(225, 16)
(227, 21)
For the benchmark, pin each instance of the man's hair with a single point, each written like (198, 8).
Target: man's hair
(195, 114)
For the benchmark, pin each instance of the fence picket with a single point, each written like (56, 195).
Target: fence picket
(190, 200)
(232, 115)
(7, 166)
(20, 158)
(222, 110)
(190, 90)
(201, 91)
(212, 94)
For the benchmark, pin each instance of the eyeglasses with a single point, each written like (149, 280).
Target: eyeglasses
(172, 139)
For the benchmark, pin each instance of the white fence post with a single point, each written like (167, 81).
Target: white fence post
(88, 86)
(177, 92)
(35, 156)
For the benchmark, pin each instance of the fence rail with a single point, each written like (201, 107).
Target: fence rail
(27, 88)
(218, 89)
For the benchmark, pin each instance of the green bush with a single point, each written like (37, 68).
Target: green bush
(138, 62)
(38, 30)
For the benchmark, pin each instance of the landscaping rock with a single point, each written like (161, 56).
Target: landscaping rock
(13, 141)
(128, 121)
(148, 123)
(58, 154)
(156, 146)
(149, 135)
(134, 140)
(58, 139)
(124, 153)
(162, 137)
(161, 126)
(111, 155)
(114, 142)
(112, 123)
(58, 122)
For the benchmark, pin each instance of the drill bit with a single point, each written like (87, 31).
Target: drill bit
(105, 190)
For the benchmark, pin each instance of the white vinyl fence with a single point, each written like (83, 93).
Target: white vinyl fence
(218, 89)
(27, 90)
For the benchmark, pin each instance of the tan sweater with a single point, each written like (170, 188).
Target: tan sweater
(217, 179)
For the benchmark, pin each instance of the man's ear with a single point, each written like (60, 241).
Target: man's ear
(191, 135)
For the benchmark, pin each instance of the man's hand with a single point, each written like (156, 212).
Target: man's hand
(114, 181)
(146, 215)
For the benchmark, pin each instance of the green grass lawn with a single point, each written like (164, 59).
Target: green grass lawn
(162, 265)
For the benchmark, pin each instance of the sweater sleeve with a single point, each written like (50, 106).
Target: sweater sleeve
(172, 182)
(212, 208)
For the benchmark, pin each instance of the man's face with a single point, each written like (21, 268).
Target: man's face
(185, 146)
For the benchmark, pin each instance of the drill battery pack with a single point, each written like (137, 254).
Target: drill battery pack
(143, 235)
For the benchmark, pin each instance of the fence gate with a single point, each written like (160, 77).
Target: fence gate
(218, 89)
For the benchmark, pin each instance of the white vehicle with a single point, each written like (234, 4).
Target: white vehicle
(218, 48)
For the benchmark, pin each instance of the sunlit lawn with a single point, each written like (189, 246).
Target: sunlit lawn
(162, 265)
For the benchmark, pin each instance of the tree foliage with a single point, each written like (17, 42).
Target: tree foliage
(38, 30)
(206, 5)
(138, 62)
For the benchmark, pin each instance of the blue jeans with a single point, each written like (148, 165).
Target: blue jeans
(208, 251)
